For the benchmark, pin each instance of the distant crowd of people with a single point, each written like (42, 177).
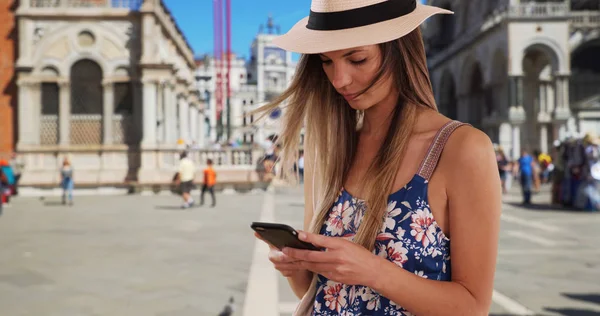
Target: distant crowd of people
(576, 183)
(572, 169)
(531, 171)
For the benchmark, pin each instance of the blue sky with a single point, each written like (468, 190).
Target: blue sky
(195, 19)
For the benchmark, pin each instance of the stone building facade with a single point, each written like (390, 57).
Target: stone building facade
(265, 75)
(525, 72)
(107, 83)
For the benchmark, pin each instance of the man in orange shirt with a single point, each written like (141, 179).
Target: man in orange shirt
(210, 179)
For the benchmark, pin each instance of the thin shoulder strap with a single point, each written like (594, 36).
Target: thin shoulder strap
(435, 149)
(314, 166)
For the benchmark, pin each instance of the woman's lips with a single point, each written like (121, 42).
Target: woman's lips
(350, 97)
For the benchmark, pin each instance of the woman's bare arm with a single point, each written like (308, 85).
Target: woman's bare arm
(474, 199)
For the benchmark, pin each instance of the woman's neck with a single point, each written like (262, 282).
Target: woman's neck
(377, 119)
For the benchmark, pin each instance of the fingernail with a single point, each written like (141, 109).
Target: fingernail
(285, 250)
(302, 236)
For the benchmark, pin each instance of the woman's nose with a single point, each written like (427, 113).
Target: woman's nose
(341, 78)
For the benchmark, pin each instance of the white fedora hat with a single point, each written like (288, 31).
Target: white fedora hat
(341, 24)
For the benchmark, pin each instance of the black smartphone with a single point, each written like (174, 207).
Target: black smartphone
(281, 236)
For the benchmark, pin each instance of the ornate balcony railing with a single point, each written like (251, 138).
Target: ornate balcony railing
(538, 10)
(585, 19)
(519, 12)
(114, 4)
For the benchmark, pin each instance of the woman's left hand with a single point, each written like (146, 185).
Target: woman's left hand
(343, 261)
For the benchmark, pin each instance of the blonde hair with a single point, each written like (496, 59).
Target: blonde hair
(331, 129)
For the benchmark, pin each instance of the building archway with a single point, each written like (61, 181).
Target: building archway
(448, 100)
(540, 65)
(585, 72)
(476, 100)
(584, 88)
(86, 103)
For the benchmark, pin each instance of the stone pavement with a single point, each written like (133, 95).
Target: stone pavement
(142, 255)
(124, 255)
(548, 262)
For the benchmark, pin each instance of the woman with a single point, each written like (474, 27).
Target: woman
(388, 180)
(503, 168)
(66, 176)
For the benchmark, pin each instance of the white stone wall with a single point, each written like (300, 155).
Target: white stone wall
(250, 83)
(531, 105)
(142, 48)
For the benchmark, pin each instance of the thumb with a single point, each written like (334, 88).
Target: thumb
(317, 240)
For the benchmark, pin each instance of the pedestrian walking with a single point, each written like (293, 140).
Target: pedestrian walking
(210, 179)
(187, 173)
(67, 182)
(526, 170)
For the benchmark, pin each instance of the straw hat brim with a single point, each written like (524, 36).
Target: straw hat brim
(302, 40)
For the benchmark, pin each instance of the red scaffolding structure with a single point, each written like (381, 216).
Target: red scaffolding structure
(222, 62)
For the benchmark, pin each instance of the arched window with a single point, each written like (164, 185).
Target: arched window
(86, 103)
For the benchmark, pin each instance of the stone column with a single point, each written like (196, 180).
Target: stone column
(183, 119)
(516, 114)
(201, 129)
(565, 93)
(37, 110)
(149, 113)
(505, 137)
(544, 138)
(138, 111)
(516, 142)
(543, 100)
(148, 37)
(550, 100)
(160, 114)
(64, 113)
(562, 111)
(25, 41)
(260, 72)
(26, 114)
(193, 123)
(170, 114)
(558, 92)
(108, 112)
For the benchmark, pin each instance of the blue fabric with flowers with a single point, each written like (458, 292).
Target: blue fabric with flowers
(410, 237)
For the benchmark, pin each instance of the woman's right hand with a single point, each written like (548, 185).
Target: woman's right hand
(283, 263)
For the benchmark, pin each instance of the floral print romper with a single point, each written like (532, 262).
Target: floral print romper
(409, 237)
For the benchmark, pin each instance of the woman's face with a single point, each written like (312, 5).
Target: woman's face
(350, 71)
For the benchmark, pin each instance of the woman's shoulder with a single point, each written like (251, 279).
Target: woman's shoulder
(469, 146)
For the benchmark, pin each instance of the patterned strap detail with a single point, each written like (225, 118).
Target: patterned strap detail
(435, 149)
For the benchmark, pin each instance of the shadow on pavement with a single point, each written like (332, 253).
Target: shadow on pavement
(590, 298)
(544, 207)
(573, 311)
(53, 203)
(169, 208)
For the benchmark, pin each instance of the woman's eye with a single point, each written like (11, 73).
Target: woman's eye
(358, 62)
(326, 62)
